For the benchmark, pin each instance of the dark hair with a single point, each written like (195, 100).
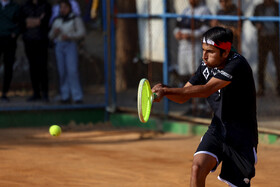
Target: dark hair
(218, 35)
(67, 2)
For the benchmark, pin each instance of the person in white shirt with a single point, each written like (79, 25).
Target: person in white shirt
(75, 9)
(184, 34)
(67, 29)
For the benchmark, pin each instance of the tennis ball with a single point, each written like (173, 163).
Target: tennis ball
(55, 130)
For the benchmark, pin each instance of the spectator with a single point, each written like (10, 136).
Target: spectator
(184, 34)
(55, 13)
(9, 30)
(35, 15)
(66, 30)
(268, 40)
(75, 9)
(228, 8)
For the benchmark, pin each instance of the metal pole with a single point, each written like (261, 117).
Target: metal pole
(194, 100)
(150, 48)
(239, 27)
(113, 55)
(106, 68)
(165, 62)
(278, 30)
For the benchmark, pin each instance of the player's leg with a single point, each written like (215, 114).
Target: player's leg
(202, 165)
(240, 161)
(206, 158)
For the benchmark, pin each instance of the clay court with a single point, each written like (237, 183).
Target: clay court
(110, 157)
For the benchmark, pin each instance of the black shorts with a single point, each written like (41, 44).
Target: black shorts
(238, 164)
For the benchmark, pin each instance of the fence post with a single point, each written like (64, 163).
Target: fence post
(165, 61)
(106, 68)
(113, 54)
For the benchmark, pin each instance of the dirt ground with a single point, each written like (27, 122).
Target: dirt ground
(93, 157)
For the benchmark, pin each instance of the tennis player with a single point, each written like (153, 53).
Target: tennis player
(225, 78)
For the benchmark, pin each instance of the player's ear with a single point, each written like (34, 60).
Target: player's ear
(226, 53)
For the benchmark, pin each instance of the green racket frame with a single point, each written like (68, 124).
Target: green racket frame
(144, 100)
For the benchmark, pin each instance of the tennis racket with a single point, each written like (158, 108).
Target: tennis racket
(144, 100)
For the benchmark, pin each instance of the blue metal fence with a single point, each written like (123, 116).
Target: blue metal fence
(165, 16)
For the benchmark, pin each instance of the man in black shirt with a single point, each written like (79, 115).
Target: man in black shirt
(35, 17)
(268, 41)
(9, 31)
(225, 78)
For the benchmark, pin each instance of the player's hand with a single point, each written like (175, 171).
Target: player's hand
(158, 90)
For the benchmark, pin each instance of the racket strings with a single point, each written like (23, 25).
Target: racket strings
(146, 101)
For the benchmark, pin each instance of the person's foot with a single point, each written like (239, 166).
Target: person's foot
(34, 98)
(5, 99)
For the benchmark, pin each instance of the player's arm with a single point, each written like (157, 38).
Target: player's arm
(181, 95)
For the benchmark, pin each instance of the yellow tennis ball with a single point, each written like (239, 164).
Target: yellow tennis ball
(55, 130)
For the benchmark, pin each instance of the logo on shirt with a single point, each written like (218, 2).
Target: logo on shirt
(206, 73)
(226, 74)
(246, 180)
(214, 71)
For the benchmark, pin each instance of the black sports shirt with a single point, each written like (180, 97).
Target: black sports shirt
(234, 106)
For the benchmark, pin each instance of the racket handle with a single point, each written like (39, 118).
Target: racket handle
(155, 95)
